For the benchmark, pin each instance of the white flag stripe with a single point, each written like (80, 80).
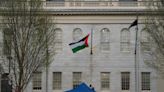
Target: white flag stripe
(77, 44)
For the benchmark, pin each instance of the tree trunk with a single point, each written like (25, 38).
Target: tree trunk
(18, 89)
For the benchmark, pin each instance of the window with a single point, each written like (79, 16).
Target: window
(77, 79)
(125, 80)
(128, 2)
(162, 2)
(1, 48)
(57, 80)
(105, 2)
(1, 43)
(77, 34)
(145, 41)
(125, 40)
(37, 79)
(56, 0)
(55, 3)
(105, 40)
(105, 81)
(145, 81)
(7, 37)
(76, 2)
(58, 40)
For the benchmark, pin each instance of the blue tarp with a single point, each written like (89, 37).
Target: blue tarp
(81, 88)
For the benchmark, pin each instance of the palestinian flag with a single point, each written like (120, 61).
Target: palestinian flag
(81, 44)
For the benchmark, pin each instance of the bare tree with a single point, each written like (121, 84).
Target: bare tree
(155, 27)
(28, 37)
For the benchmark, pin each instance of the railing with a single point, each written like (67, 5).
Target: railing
(97, 4)
(100, 4)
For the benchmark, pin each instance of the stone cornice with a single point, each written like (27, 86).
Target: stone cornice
(105, 11)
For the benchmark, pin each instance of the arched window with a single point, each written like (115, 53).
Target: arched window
(145, 40)
(77, 34)
(105, 40)
(125, 40)
(58, 40)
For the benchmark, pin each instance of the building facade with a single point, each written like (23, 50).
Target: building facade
(113, 65)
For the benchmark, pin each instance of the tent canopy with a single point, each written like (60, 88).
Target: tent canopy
(81, 88)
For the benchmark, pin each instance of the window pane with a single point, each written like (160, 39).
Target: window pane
(58, 47)
(127, 0)
(77, 34)
(162, 2)
(105, 40)
(125, 80)
(58, 34)
(125, 40)
(57, 80)
(7, 41)
(144, 36)
(145, 81)
(37, 79)
(55, 3)
(77, 79)
(125, 35)
(105, 46)
(56, 0)
(105, 81)
(58, 40)
(125, 46)
(145, 46)
(145, 41)
(1, 48)
(105, 35)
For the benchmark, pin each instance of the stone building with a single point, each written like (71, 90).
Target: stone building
(113, 66)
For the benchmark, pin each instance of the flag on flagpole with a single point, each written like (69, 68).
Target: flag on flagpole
(79, 45)
(135, 23)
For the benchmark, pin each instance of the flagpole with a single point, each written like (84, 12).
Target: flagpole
(91, 40)
(91, 52)
(136, 61)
